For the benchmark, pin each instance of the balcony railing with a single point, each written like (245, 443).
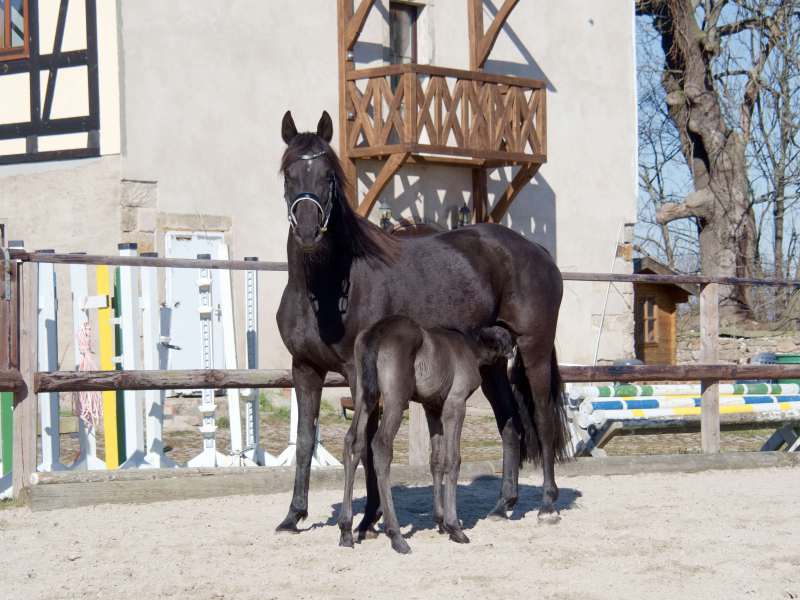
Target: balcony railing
(426, 110)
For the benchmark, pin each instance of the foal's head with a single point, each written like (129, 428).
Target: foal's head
(493, 343)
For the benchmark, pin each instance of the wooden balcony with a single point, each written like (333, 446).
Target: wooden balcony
(424, 113)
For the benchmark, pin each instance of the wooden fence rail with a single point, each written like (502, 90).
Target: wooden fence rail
(18, 357)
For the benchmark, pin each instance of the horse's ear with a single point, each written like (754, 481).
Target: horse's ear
(288, 129)
(325, 127)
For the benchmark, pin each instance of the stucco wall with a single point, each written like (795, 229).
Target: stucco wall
(202, 93)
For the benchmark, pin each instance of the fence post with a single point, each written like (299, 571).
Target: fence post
(709, 354)
(24, 452)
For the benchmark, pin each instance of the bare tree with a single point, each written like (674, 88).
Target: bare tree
(715, 52)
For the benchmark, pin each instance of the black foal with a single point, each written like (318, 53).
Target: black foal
(401, 361)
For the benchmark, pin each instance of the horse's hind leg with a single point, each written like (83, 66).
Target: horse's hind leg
(372, 510)
(495, 385)
(536, 359)
(354, 442)
(382, 448)
(453, 420)
(437, 464)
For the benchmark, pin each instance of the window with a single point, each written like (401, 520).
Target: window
(402, 36)
(649, 319)
(14, 31)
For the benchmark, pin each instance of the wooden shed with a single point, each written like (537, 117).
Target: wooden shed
(655, 312)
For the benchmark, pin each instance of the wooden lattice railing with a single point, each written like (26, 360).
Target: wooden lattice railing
(421, 109)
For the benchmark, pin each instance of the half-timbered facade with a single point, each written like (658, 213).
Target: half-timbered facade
(158, 123)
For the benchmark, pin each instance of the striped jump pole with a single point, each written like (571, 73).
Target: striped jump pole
(629, 390)
(105, 339)
(154, 356)
(130, 326)
(47, 342)
(254, 450)
(81, 304)
(237, 451)
(209, 456)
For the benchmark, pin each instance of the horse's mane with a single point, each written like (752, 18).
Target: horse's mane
(358, 235)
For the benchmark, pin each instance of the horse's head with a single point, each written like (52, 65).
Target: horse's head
(311, 176)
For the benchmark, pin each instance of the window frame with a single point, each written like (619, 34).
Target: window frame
(414, 23)
(8, 52)
(649, 335)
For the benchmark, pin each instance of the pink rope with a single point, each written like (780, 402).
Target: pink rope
(89, 404)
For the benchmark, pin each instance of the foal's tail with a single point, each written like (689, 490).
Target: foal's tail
(530, 447)
(400, 330)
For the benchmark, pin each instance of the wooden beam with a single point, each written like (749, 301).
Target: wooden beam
(10, 380)
(709, 351)
(521, 179)
(390, 167)
(356, 23)
(184, 379)
(488, 39)
(480, 194)
(24, 452)
(89, 381)
(344, 14)
(475, 24)
(150, 261)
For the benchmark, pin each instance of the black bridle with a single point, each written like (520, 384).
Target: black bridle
(324, 211)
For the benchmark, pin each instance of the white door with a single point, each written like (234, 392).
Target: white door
(183, 296)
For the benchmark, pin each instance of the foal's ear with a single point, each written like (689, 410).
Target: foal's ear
(288, 129)
(325, 127)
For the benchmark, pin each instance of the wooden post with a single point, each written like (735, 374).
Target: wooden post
(24, 459)
(419, 441)
(344, 9)
(709, 350)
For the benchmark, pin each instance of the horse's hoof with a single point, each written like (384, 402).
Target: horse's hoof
(440, 528)
(369, 533)
(499, 513)
(400, 545)
(346, 539)
(548, 517)
(458, 536)
(287, 526)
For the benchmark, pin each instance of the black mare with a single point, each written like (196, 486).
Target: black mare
(345, 274)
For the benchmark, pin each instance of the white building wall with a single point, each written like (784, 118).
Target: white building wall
(201, 97)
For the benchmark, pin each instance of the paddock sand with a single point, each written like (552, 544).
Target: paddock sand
(724, 534)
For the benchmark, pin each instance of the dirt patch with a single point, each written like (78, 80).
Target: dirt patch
(712, 535)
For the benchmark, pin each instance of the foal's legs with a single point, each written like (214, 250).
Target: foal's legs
(437, 464)
(354, 443)
(495, 385)
(394, 406)
(372, 510)
(453, 420)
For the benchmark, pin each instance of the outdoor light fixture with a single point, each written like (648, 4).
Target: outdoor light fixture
(386, 216)
(464, 216)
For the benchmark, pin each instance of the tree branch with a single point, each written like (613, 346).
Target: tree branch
(696, 204)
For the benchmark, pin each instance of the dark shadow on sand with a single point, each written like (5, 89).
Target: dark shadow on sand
(414, 505)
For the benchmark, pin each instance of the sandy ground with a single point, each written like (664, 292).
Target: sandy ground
(711, 535)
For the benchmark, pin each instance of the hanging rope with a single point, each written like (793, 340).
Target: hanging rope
(89, 405)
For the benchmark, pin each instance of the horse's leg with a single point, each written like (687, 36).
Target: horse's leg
(352, 453)
(455, 409)
(382, 447)
(495, 385)
(437, 464)
(308, 383)
(536, 360)
(369, 424)
(372, 509)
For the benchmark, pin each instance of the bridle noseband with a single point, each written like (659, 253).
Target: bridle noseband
(324, 212)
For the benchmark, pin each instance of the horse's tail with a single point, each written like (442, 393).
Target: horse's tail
(530, 443)
(368, 344)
